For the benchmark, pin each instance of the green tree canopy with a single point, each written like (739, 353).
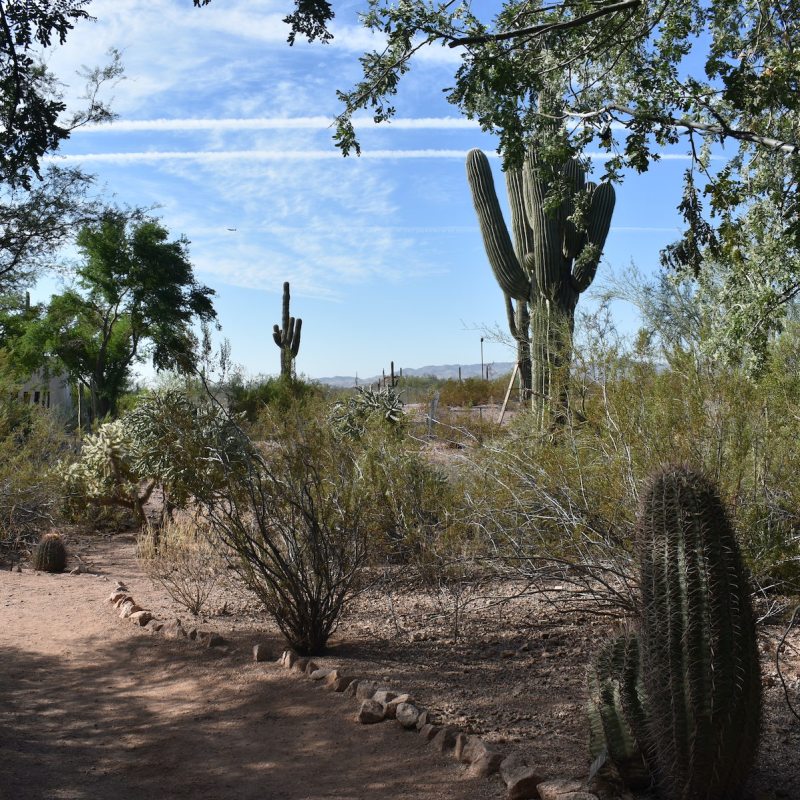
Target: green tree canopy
(136, 299)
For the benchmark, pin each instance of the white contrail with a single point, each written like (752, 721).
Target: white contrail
(216, 156)
(275, 123)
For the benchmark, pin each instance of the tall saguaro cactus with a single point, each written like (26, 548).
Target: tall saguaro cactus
(552, 260)
(287, 337)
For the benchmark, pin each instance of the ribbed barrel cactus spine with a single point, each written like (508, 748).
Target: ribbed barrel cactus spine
(552, 260)
(287, 337)
(699, 661)
(50, 554)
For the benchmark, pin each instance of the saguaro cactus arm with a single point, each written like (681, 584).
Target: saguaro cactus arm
(598, 224)
(504, 262)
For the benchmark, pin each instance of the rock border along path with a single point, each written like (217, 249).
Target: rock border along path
(377, 704)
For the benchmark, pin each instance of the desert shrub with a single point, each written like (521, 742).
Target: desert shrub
(247, 399)
(472, 391)
(296, 528)
(32, 440)
(181, 558)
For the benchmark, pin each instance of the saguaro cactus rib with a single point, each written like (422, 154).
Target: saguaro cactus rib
(287, 337)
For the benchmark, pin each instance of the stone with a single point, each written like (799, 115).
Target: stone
(352, 688)
(407, 715)
(141, 618)
(114, 596)
(192, 634)
(461, 743)
(214, 640)
(122, 600)
(129, 608)
(556, 789)
(391, 705)
(319, 674)
(384, 696)
(174, 629)
(485, 765)
(300, 664)
(336, 682)
(371, 711)
(521, 782)
(311, 666)
(288, 659)
(445, 739)
(366, 689)
(422, 719)
(76, 570)
(474, 749)
(428, 731)
(154, 626)
(260, 652)
(121, 587)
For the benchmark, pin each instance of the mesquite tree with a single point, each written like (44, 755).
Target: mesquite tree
(553, 259)
(287, 337)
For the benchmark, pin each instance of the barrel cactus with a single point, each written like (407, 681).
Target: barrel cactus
(553, 259)
(699, 660)
(617, 720)
(287, 337)
(50, 554)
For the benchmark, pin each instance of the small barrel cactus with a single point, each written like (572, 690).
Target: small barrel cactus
(616, 714)
(50, 554)
(699, 660)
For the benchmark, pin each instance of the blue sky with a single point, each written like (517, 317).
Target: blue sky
(222, 125)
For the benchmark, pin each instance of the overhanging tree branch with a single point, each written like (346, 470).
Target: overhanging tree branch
(548, 27)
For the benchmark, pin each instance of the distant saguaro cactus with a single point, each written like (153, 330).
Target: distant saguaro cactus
(553, 260)
(287, 337)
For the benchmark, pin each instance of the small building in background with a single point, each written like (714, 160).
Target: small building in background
(50, 392)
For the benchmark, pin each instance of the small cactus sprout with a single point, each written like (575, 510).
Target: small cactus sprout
(699, 660)
(287, 337)
(50, 554)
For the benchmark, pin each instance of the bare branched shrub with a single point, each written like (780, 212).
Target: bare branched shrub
(295, 523)
(180, 557)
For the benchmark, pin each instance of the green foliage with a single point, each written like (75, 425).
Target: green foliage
(139, 299)
(32, 440)
(472, 391)
(50, 554)
(248, 399)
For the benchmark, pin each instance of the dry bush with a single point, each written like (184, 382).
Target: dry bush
(181, 558)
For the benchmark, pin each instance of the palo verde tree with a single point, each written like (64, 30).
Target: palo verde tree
(136, 299)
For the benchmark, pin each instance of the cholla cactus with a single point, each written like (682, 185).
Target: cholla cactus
(353, 416)
(104, 474)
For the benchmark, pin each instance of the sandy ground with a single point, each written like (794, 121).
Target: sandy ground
(91, 707)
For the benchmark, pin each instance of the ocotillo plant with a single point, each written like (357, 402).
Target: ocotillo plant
(695, 706)
(553, 259)
(287, 337)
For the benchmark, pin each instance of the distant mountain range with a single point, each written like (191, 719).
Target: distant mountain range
(443, 371)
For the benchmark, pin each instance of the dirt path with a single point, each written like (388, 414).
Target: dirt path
(91, 707)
